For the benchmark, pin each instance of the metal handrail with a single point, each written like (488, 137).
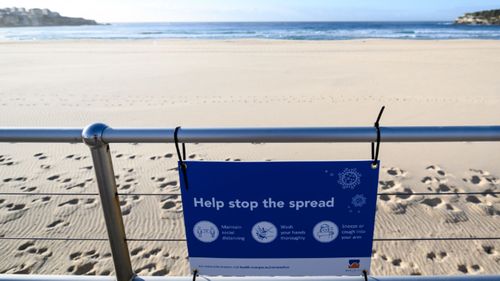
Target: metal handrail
(98, 136)
(249, 135)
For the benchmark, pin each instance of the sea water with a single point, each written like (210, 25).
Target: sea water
(257, 30)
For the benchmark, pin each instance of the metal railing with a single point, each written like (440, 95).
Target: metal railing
(98, 137)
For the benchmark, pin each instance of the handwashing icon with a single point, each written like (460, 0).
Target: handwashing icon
(264, 232)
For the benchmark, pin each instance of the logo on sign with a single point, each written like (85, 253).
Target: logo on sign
(353, 264)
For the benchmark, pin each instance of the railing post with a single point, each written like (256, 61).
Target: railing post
(103, 165)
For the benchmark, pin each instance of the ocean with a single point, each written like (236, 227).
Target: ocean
(257, 30)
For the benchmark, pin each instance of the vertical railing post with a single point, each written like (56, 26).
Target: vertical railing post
(103, 165)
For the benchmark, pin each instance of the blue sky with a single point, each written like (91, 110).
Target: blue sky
(259, 10)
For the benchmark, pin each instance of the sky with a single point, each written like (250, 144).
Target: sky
(259, 10)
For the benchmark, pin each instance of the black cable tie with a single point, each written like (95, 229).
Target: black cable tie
(375, 150)
(195, 274)
(181, 159)
(365, 274)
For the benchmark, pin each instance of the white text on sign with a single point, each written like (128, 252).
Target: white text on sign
(268, 203)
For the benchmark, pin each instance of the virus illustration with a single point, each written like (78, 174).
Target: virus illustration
(349, 178)
(358, 200)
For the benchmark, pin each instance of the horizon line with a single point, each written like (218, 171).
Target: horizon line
(291, 21)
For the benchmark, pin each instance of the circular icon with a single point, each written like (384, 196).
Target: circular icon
(349, 178)
(206, 231)
(264, 232)
(325, 231)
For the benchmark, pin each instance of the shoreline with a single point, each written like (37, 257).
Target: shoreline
(250, 40)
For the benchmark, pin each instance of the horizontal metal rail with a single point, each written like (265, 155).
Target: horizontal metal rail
(16, 277)
(257, 135)
(388, 239)
(483, 193)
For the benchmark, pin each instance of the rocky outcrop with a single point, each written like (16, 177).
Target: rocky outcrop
(14, 17)
(491, 17)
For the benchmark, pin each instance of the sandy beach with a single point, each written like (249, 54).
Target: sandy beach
(203, 83)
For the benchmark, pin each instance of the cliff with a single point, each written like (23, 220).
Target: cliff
(491, 17)
(14, 17)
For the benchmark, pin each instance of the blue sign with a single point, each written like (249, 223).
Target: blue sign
(280, 218)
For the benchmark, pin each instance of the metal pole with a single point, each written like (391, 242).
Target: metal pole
(103, 165)
(269, 135)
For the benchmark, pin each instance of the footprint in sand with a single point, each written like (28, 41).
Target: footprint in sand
(126, 180)
(432, 202)
(53, 178)
(41, 200)
(231, 159)
(466, 269)
(398, 203)
(436, 169)
(438, 180)
(171, 203)
(163, 183)
(18, 182)
(57, 224)
(67, 182)
(85, 263)
(158, 157)
(398, 208)
(398, 263)
(6, 160)
(76, 157)
(29, 247)
(45, 166)
(40, 156)
(28, 188)
(151, 268)
(34, 258)
(490, 250)
(11, 211)
(395, 172)
(131, 156)
(452, 215)
(438, 257)
(488, 208)
(385, 185)
(486, 183)
(70, 206)
(481, 178)
(456, 216)
(127, 202)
